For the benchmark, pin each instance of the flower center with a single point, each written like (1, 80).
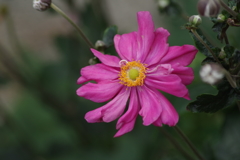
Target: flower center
(132, 73)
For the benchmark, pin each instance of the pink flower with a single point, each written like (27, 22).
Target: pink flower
(147, 64)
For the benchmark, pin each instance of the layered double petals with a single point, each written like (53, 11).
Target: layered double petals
(166, 71)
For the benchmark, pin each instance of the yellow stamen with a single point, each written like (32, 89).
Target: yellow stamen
(132, 74)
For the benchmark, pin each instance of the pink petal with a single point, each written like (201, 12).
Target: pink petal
(185, 73)
(126, 46)
(169, 115)
(111, 110)
(159, 47)
(171, 84)
(182, 55)
(100, 92)
(145, 35)
(98, 72)
(150, 105)
(108, 60)
(126, 122)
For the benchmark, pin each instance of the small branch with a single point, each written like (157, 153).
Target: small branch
(176, 144)
(224, 35)
(201, 40)
(229, 10)
(53, 6)
(184, 137)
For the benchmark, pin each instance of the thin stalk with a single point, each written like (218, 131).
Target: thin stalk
(229, 10)
(176, 144)
(201, 40)
(185, 138)
(53, 6)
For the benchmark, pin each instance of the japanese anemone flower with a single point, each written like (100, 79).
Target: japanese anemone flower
(146, 65)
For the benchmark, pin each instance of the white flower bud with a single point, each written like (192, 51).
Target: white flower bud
(100, 45)
(195, 20)
(221, 18)
(163, 3)
(41, 5)
(211, 73)
(208, 8)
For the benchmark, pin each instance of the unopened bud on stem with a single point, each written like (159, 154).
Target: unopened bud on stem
(41, 5)
(163, 3)
(208, 8)
(195, 20)
(211, 73)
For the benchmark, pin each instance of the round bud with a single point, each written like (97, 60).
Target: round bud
(222, 54)
(93, 61)
(208, 8)
(41, 5)
(195, 20)
(163, 3)
(100, 45)
(211, 73)
(221, 18)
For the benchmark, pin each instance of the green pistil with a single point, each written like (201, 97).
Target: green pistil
(133, 74)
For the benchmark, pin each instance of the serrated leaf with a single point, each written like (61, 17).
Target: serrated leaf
(229, 50)
(109, 34)
(212, 103)
(200, 46)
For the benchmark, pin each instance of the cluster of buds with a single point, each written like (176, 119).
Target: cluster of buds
(41, 5)
(211, 73)
(208, 8)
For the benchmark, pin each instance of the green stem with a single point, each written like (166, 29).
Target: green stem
(53, 6)
(208, 48)
(184, 137)
(229, 10)
(176, 144)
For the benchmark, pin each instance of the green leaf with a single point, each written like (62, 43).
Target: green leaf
(229, 50)
(212, 103)
(200, 46)
(109, 34)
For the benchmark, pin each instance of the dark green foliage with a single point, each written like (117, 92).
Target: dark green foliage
(109, 34)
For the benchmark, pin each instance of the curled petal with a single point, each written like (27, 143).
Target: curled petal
(98, 72)
(171, 84)
(150, 105)
(111, 110)
(145, 33)
(159, 47)
(182, 55)
(126, 122)
(185, 73)
(108, 60)
(126, 45)
(169, 115)
(100, 92)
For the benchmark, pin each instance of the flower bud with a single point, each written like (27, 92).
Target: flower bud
(221, 18)
(41, 5)
(93, 61)
(211, 73)
(163, 3)
(195, 20)
(222, 54)
(208, 8)
(100, 45)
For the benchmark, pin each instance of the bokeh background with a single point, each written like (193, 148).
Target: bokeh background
(42, 118)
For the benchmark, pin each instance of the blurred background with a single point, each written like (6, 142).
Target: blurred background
(42, 118)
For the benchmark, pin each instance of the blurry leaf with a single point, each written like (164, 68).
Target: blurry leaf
(200, 46)
(229, 50)
(212, 103)
(109, 34)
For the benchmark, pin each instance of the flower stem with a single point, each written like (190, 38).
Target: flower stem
(201, 40)
(176, 144)
(229, 10)
(53, 6)
(184, 137)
